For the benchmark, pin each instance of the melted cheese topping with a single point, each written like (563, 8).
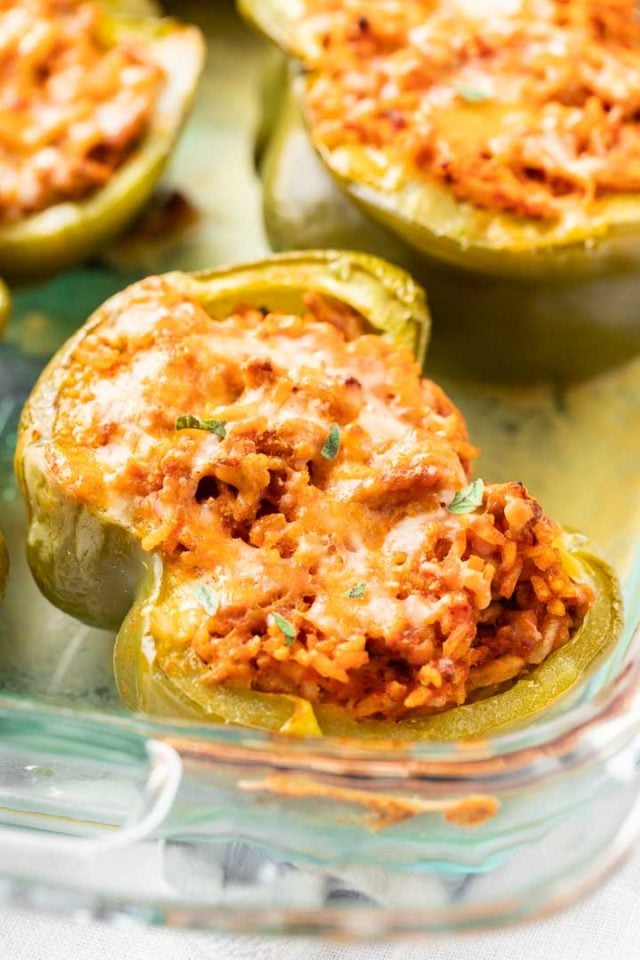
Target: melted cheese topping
(338, 574)
(73, 105)
(526, 106)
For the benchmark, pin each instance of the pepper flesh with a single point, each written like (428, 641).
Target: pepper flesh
(5, 305)
(573, 297)
(67, 233)
(72, 553)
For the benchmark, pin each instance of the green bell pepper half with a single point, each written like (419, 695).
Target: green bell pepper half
(68, 233)
(512, 298)
(95, 569)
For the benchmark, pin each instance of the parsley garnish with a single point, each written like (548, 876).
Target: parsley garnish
(219, 427)
(468, 499)
(189, 422)
(356, 593)
(332, 444)
(207, 599)
(287, 629)
(471, 95)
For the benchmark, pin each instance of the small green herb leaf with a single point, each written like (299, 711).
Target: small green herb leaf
(287, 629)
(207, 599)
(219, 427)
(471, 95)
(356, 593)
(468, 499)
(189, 422)
(332, 444)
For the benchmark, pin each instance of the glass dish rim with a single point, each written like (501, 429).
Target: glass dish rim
(614, 712)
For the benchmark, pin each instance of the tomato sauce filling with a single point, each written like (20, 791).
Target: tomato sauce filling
(74, 103)
(523, 106)
(299, 480)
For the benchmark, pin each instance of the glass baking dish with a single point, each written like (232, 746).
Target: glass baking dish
(224, 828)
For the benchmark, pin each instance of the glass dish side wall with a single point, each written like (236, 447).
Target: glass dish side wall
(286, 838)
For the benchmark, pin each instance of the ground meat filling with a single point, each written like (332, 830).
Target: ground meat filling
(528, 107)
(73, 105)
(306, 530)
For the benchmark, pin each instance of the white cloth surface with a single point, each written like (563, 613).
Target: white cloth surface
(605, 924)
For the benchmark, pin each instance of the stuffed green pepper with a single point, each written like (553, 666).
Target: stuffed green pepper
(93, 97)
(244, 471)
(490, 148)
